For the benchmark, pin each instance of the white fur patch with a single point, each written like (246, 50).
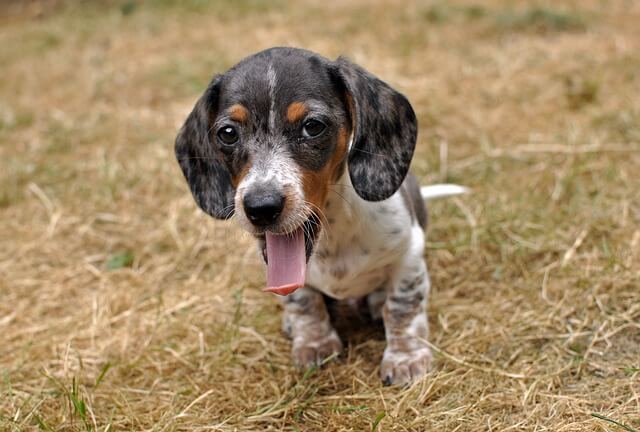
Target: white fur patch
(272, 82)
(363, 245)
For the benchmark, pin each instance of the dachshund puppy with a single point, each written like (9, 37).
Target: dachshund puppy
(312, 157)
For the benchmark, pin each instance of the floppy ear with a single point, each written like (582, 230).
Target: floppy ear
(201, 162)
(384, 132)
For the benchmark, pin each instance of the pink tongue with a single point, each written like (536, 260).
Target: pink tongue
(286, 262)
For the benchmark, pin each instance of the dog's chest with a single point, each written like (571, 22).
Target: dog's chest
(360, 247)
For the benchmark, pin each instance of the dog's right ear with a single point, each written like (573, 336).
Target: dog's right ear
(201, 162)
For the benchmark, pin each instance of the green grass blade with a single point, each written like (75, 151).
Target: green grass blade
(617, 423)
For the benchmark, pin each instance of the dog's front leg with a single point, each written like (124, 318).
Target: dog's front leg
(307, 321)
(407, 356)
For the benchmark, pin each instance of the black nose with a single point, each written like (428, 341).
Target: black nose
(263, 208)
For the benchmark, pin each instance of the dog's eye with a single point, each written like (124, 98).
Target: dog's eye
(228, 135)
(312, 128)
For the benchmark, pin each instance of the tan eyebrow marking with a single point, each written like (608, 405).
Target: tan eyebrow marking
(237, 179)
(238, 113)
(296, 111)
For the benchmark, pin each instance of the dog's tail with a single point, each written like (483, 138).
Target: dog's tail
(442, 191)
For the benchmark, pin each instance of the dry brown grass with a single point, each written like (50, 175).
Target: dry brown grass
(125, 308)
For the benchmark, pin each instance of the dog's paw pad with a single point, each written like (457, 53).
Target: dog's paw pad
(404, 367)
(314, 352)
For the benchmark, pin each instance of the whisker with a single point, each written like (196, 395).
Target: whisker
(341, 196)
(322, 221)
(231, 213)
(306, 231)
(371, 153)
(313, 206)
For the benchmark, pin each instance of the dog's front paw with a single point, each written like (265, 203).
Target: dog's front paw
(404, 367)
(308, 352)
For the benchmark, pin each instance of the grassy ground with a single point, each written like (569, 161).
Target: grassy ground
(123, 307)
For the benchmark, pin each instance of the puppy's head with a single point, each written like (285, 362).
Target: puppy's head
(269, 137)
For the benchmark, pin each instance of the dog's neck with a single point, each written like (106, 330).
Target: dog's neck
(344, 213)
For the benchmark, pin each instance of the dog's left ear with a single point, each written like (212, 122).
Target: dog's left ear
(384, 131)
